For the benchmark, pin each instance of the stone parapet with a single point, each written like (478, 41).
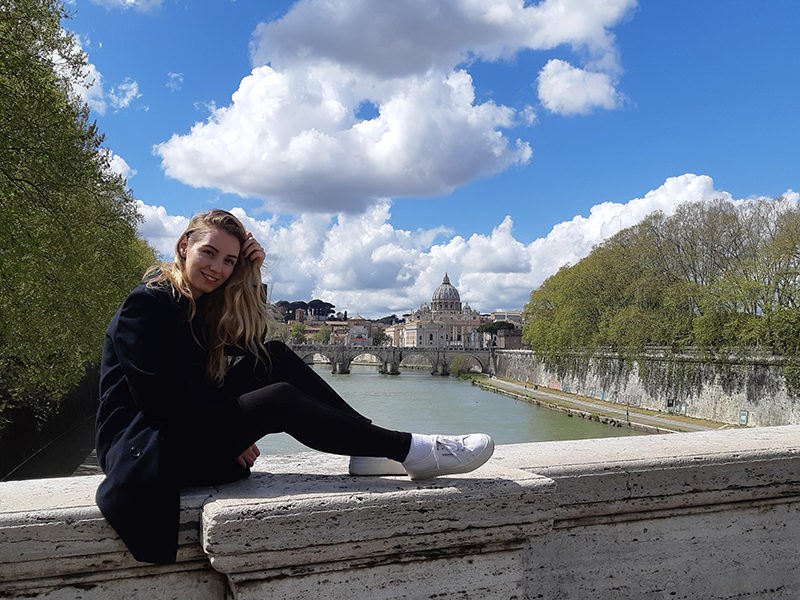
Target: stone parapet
(700, 515)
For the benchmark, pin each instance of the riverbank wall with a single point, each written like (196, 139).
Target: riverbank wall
(694, 515)
(748, 391)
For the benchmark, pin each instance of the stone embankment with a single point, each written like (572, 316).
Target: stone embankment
(608, 413)
(711, 514)
(746, 391)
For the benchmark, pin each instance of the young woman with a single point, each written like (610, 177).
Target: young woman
(188, 386)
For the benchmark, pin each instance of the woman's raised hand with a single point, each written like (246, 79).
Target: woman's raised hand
(252, 250)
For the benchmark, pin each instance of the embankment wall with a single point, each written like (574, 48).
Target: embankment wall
(745, 392)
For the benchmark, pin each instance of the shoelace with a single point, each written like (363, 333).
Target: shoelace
(451, 446)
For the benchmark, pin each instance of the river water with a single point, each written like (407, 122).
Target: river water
(417, 401)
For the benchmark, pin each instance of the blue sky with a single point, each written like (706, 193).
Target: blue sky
(377, 145)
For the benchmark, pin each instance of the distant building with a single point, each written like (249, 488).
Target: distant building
(358, 336)
(445, 322)
(509, 339)
(509, 316)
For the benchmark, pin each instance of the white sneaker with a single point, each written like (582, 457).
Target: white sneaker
(452, 454)
(375, 465)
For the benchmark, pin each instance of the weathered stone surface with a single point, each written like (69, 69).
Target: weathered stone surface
(53, 538)
(326, 519)
(702, 515)
(495, 576)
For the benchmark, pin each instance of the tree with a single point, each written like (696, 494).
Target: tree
(297, 335)
(495, 326)
(322, 335)
(390, 320)
(320, 308)
(459, 365)
(379, 338)
(714, 275)
(279, 332)
(69, 249)
(287, 309)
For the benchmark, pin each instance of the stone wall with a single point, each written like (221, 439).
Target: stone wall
(695, 515)
(747, 392)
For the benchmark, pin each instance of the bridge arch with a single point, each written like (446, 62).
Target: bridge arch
(390, 357)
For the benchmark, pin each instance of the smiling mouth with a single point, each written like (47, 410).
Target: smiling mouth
(210, 279)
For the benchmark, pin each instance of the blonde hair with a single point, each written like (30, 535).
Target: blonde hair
(233, 316)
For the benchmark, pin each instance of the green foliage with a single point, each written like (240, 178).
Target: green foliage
(715, 275)
(459, 365)
(297, 334)
(495, 326)
(322, 335)
(379, 338)
(69, 250)
(320, 308)
(389, 320)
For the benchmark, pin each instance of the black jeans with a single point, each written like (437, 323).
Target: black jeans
(281, 393)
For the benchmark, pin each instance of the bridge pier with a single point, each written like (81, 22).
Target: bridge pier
(441, 369)
(340, 368)
(390, 368)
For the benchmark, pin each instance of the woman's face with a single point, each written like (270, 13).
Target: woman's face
(210, 259)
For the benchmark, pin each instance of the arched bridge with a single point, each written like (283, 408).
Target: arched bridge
(390, 357)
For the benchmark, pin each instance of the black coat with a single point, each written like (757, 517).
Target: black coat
(155, 422)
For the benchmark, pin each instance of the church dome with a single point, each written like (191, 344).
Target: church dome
(446, 291)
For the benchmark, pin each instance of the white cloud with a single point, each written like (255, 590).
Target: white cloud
(160, 229)
(121, 95)
(91, 88)
(174, 81)
(361, 263)
(567, 90)
(293, 138)
(119, 166)
(291, 135)
(409, 37)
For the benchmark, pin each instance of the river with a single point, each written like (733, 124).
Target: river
(417, 401)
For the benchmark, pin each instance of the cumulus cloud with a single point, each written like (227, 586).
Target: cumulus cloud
(567, 90)
(361, 263)
(292, 138)
(408, 37)
(118, 165)
(293, 134)
(160, 229)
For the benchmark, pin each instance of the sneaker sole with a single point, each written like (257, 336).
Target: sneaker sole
(474, 464)
(374, 467)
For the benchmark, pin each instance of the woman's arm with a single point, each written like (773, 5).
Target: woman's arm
(148, 340)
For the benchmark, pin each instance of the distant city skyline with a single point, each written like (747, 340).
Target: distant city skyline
(496, 141)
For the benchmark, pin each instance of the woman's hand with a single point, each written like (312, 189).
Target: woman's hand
(248, 457)
(252, 250)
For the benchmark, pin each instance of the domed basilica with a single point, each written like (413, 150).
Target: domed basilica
(444, 323)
